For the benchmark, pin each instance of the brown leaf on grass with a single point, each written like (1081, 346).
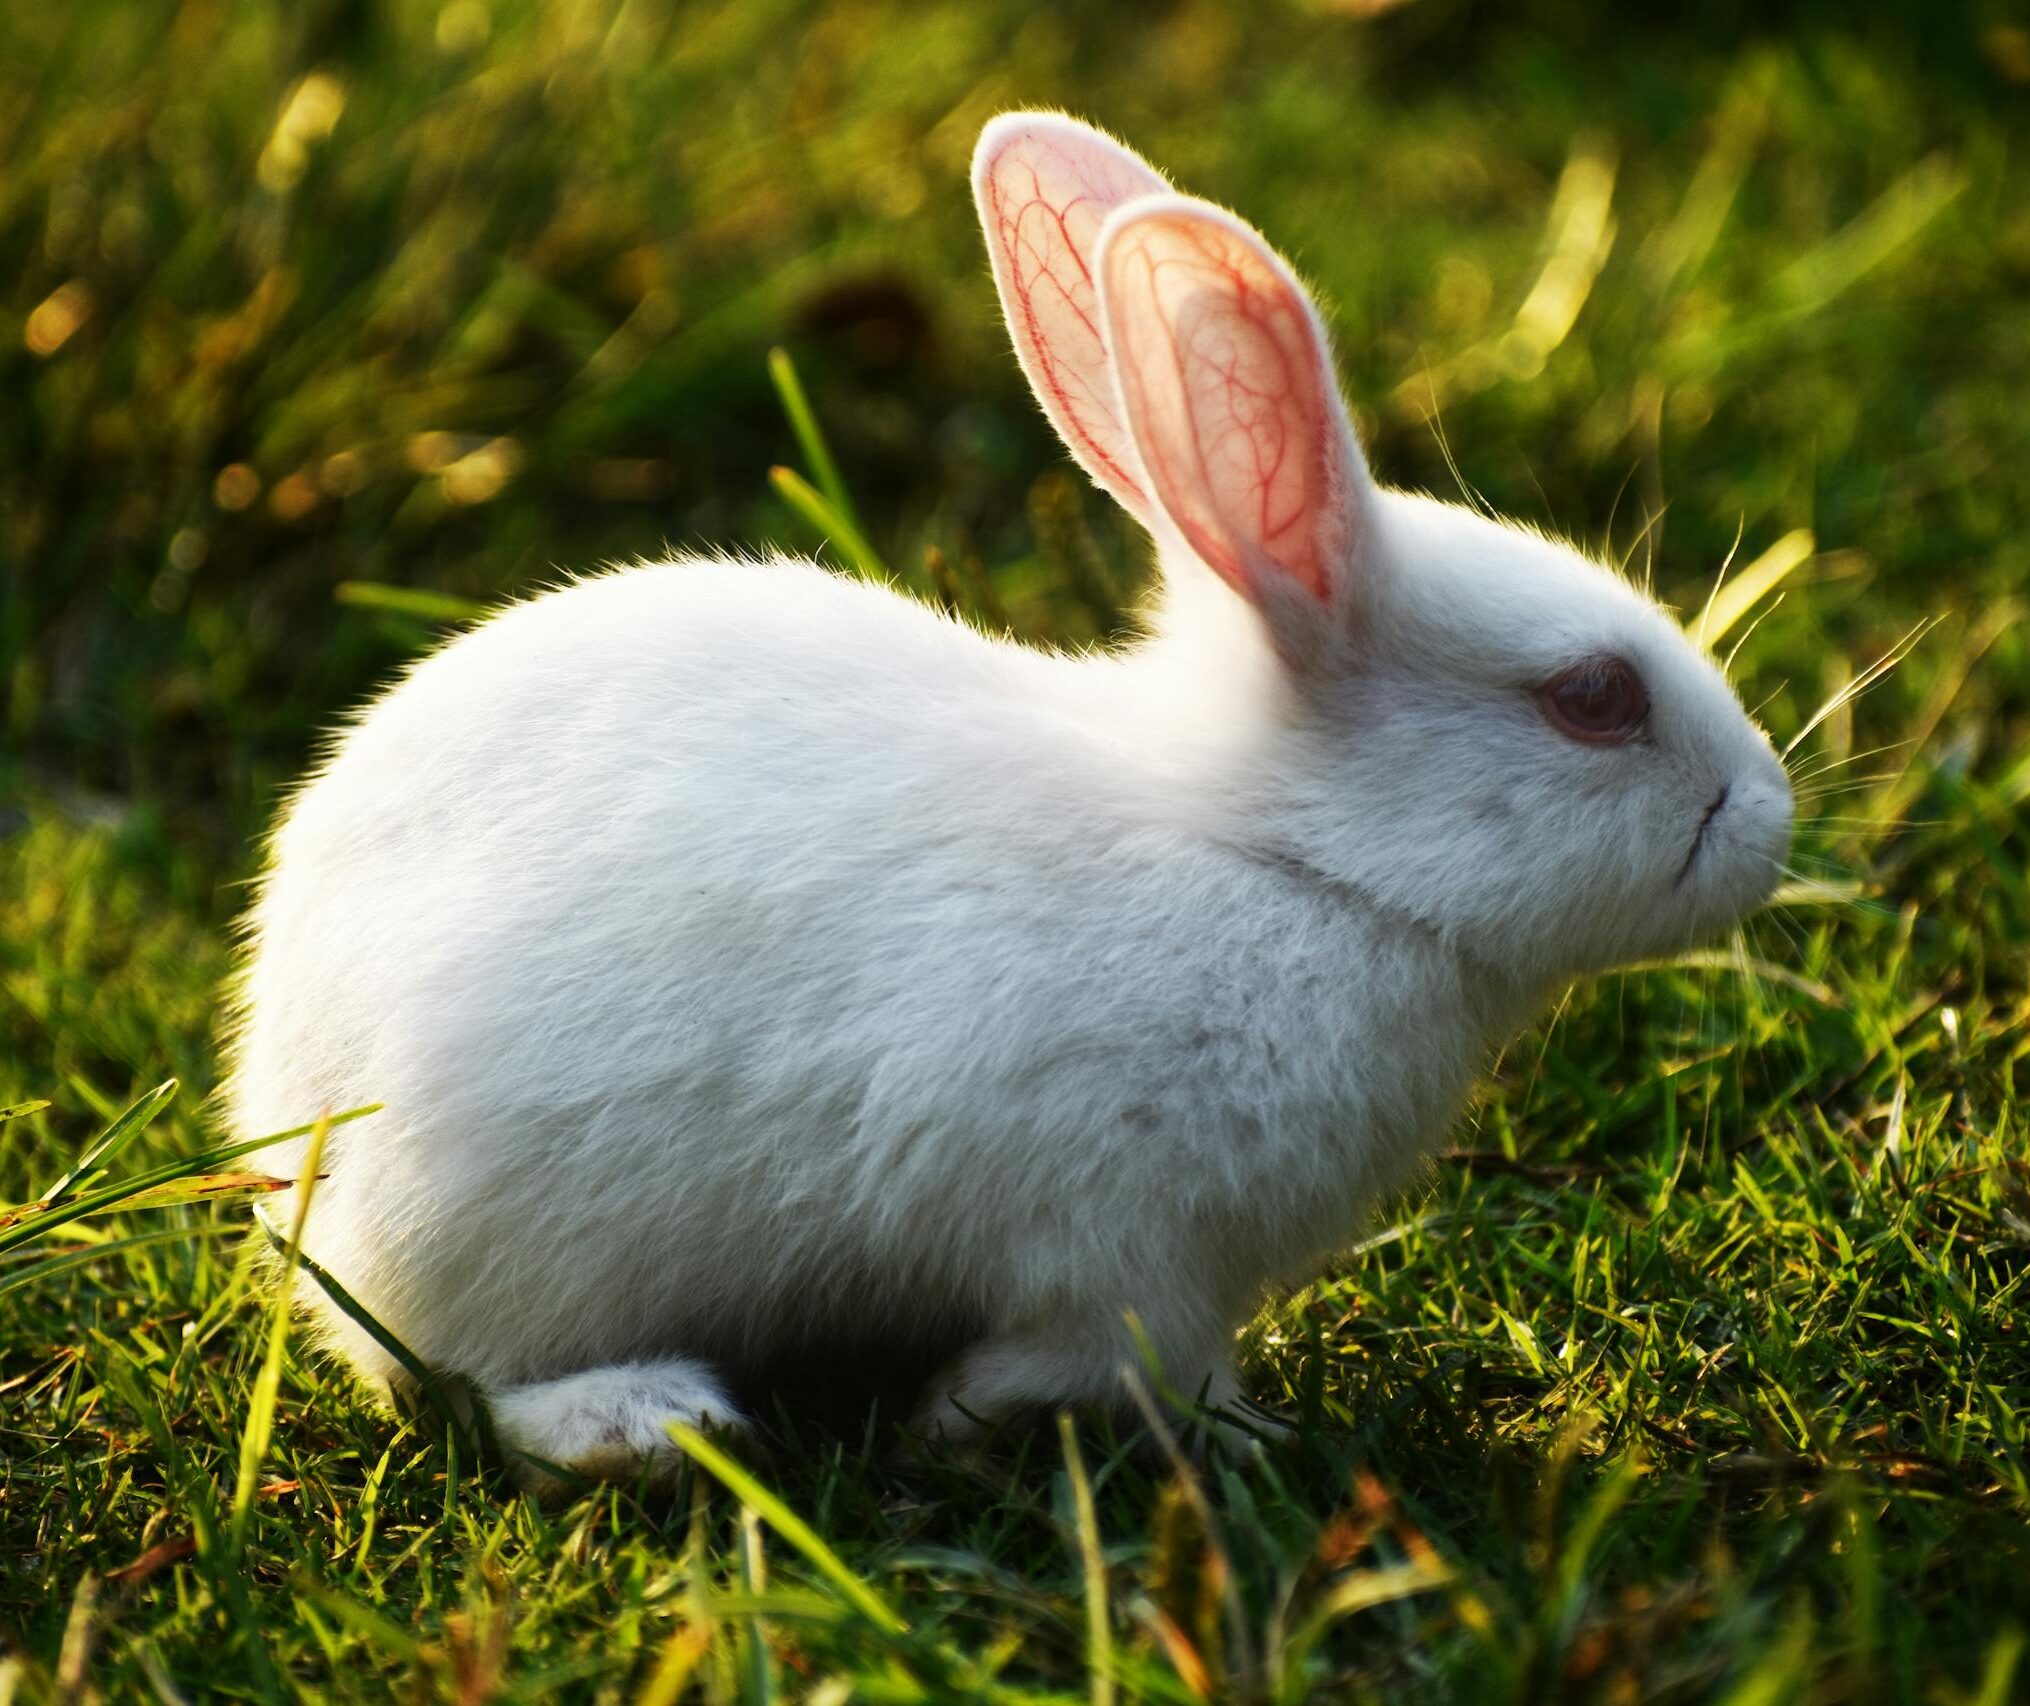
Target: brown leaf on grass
(155, 1560)
(199, 1187)
(203, 1187)
(164, 1553)
(1177, 1648)
(1346, 1536)
(195, 1189)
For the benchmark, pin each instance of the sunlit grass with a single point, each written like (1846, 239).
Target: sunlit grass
(1696, 1370)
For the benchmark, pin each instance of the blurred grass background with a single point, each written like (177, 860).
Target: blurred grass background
(452, 297)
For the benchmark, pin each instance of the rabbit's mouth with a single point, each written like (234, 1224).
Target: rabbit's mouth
(1699, 836)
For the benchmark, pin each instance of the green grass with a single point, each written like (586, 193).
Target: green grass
(1700, 1370)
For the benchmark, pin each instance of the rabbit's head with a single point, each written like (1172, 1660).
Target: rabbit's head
(1463, 720)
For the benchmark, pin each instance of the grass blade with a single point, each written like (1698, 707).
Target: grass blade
(205, 1187)
(803, 422)
(1366, 1589)
(1098, 1635)
(812, 505)
(408, 601)
(268, 1382)
(427, 1381)
(115, 1138)
(754, 1585)
(29, 1221)
(745, 1487)
(49, 1266)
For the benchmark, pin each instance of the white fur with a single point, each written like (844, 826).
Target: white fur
(608, 1423)
(746, 955)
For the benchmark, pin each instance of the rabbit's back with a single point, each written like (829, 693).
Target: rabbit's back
(533, 828)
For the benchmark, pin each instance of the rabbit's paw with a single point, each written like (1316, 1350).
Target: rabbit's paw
(607, 1424)
(1043, 1371)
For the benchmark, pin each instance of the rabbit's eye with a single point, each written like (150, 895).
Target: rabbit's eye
(1601, 700)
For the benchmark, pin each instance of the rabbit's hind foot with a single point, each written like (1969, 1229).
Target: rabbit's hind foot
(607, 1424)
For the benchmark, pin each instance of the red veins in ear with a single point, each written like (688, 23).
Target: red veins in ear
(1043, 198)
(1228, 393)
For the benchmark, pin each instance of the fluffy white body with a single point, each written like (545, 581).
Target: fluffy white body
(747, 957)
(881, 968)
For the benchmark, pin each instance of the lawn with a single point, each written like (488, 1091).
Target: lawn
(1698, 1369)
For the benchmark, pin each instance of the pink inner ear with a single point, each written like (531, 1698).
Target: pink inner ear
(1043, 196)
(1232, 404)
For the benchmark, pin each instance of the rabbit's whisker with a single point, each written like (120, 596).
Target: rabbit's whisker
(1727, 668)
(1853, 785)
(1475, 500)
(1826, 763)
(1862, 682)
(1762, 704)
(1719, 578)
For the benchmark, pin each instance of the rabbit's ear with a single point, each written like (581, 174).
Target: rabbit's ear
(1229, 397)
(1044, 185)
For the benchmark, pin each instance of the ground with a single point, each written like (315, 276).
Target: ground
(1696, 1370)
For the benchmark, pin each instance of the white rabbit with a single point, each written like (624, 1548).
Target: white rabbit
(749, 957)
